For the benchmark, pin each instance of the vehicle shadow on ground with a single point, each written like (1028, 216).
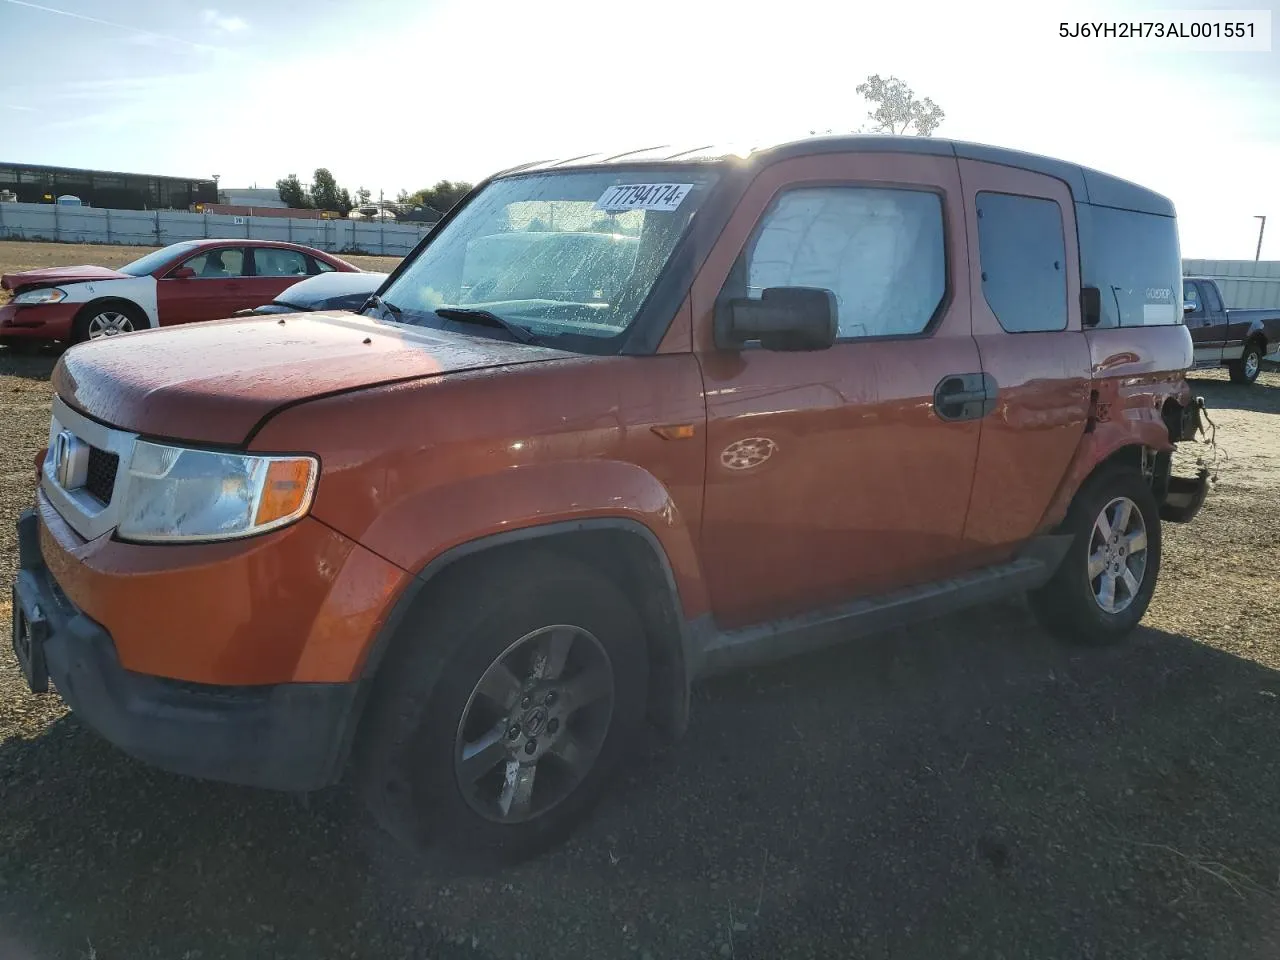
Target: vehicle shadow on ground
(29, 366)
(1262, 396)
(969, 787)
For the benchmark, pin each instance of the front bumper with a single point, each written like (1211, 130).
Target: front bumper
(44, 321)
(290, 736)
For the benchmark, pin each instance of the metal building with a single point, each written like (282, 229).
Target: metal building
(1244, 283)
(34, 183)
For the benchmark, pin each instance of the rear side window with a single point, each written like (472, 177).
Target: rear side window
(1134, 261)
(1211, 298)
(880, 251)
(320, 265)
(1023, 257)
(279, 262)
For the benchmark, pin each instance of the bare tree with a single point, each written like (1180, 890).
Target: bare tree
(896, 108)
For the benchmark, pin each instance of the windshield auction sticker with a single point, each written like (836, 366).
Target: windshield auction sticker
(643, 196)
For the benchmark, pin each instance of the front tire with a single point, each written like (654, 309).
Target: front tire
(1106, 580)
(540, 694)
(1246, 369)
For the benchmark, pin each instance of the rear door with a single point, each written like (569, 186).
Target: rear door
(831, 473)
(275, 269)
(1025, 287)
(218, 281)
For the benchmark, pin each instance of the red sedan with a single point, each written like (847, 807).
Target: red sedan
(181, 283)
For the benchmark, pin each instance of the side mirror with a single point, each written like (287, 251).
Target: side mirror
(784, 318)
(1188, 306)
(182, 273)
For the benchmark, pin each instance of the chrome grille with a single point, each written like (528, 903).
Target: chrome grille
(91, 505)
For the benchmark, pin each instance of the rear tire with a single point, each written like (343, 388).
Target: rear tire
(1106, 580)
(1246, 369)
(108, 318)
(507, 750)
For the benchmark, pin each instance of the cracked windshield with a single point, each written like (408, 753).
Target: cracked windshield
(562, 253)
(502, 481)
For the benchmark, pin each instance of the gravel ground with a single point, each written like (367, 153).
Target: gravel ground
(966, 789)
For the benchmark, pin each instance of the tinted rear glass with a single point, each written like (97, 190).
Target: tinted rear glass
(1133, 259)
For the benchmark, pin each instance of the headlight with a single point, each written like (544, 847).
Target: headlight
(47, 295)
(176, 494)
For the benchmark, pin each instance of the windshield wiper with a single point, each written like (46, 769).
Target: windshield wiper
(377, 301)
(468, 315)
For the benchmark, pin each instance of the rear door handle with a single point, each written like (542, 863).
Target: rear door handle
(965, 396)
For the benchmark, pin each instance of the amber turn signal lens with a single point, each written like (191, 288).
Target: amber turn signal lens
(286, 490)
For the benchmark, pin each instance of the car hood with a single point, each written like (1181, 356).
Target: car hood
(214, 382)
(48, 276)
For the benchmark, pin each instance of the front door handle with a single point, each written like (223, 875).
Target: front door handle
(965, 396)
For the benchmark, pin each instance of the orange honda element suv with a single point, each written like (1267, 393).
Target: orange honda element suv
(616, 424)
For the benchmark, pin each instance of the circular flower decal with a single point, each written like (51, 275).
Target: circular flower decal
(747, 453)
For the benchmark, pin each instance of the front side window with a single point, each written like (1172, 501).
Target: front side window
(880, 251)
(218, 264)
(559, 254)
(1023, 256)
(278, 262)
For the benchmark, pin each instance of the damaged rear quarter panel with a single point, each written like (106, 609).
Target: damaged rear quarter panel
(1135, 371)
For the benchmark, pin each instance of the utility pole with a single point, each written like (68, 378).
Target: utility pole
(1261, 227)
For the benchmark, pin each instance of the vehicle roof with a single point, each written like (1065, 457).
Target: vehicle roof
(243, 242)
(1087, 185)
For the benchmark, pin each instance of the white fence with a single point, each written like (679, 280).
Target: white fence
(158, 228)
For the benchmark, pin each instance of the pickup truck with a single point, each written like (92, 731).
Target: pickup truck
(461, 544)
(1226, 337)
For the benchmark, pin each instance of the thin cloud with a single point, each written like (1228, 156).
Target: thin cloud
(15, 106)
(223, 22)
(107, 23)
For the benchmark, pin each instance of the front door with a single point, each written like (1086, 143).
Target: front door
(833, 473)
(1207, 336)
(217, 281)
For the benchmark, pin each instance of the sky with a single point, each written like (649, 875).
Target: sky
(393, 94)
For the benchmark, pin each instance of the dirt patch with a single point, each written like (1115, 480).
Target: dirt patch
(968, 788)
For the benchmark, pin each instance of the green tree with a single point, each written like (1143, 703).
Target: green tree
(896, 108)
(363, 196)
(293, 193)
(326, 195)
(440, 197)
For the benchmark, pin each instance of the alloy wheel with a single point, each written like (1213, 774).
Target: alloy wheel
(534, 724)
(109, 323)
(1118, 555)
